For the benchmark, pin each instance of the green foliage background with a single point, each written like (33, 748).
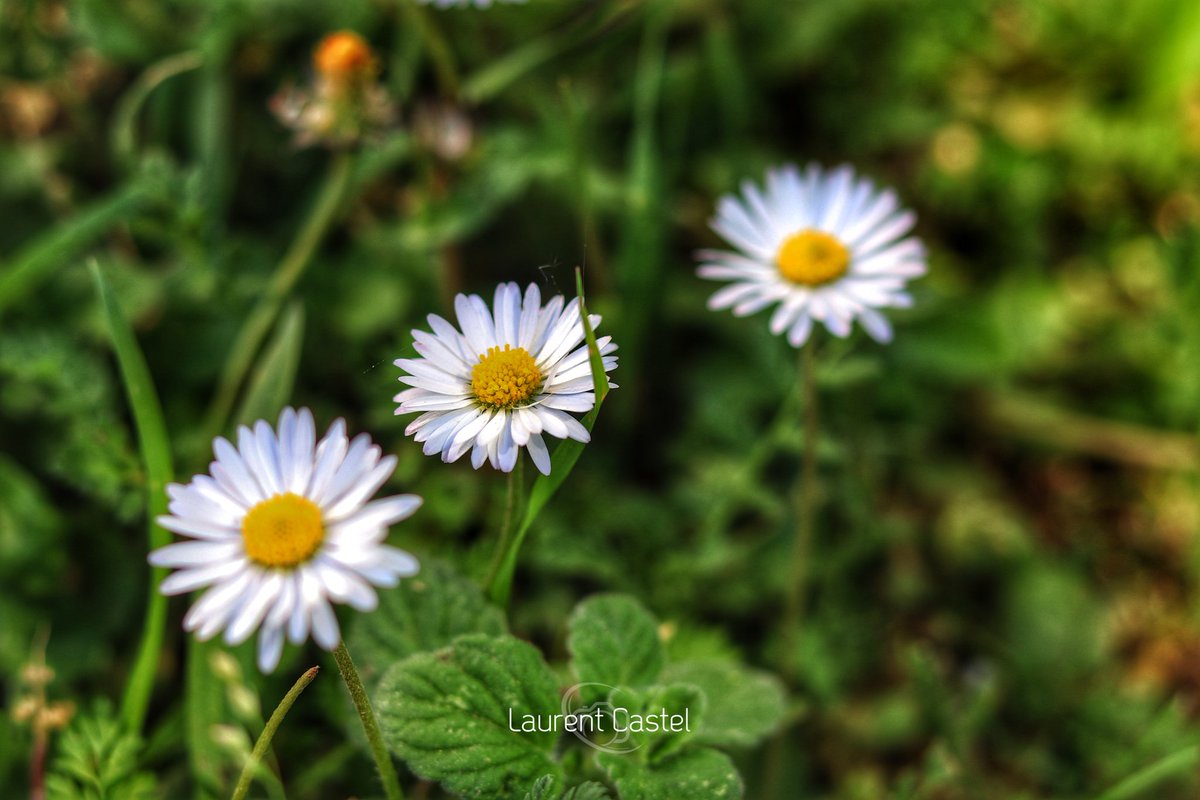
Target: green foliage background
(1002, 597)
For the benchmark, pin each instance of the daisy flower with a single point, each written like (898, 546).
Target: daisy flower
(511, 375)
(827, 246)
(280, 527)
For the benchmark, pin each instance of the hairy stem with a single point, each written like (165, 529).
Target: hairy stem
(264, 739)
(362, 703)
(805, 497)
(503, 560)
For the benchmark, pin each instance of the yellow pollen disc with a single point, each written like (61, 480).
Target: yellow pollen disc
(283, 531)
(505, 378)
(811, 258)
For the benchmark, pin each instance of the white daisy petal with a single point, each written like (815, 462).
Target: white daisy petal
(199, 527)
(365, 486)
(539, 453)
(254, 609)
(876, 325)
(270, 648)
(234, 477)
(330, 453)
(380, 513)
(214, 607)
(189, 580)
(800, 330)
(324, 624)
(360, 459)
(195, 554)
(398, 561)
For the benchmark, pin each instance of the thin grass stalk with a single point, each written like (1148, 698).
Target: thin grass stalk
(264, 739)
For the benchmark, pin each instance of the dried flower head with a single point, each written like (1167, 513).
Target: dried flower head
(345, 102)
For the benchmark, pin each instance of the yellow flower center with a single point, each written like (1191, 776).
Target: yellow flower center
(283, 531)
(811, 258)
(505, 378)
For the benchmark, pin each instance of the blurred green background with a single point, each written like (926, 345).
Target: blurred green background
(1004, 576)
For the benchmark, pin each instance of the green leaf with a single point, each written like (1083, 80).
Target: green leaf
(546, 788)
(696, 774)
(423, 613)
(97, 760)
(613, 642)
(447, 714)
(660, 719)
(744, 705)
(156, 454)
(271, 382)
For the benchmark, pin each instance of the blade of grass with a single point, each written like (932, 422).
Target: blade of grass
(502, 72)
(436, 45)
(264, 739)
(156, 456)
(124, 129)
(213, 98)
(271, 383)
(639, 261)
(562, 461)
(58, 246)
(1181, 762)
(258, 324)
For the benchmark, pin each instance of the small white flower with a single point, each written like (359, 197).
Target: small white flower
(280, 527)
(510, 376)
(826, 246)
(464, 3)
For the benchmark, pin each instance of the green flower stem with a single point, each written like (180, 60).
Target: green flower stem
(358, 693)
(264, 739)
(256, 327)
(805, 496)
(562, 460)
(504, 559)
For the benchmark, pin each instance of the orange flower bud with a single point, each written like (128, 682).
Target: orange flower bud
(343, 55)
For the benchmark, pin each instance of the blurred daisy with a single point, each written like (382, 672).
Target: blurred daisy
(827, 246)
(509, 377)
(279, 528)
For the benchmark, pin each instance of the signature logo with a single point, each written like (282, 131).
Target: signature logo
(594, 721)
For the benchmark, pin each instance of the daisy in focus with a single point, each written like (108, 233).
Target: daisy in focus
(826, 246)
(503, 379)
(280, 527)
